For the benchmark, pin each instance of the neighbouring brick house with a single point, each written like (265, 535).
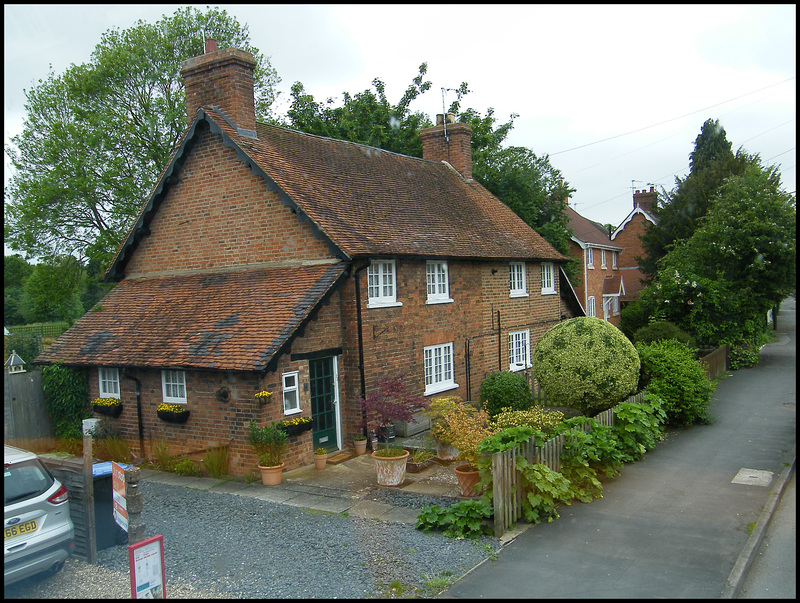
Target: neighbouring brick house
(601, 283)
(627, 235)
(270, 259)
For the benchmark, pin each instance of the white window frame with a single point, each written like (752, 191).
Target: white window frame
(292, 390)
(589, 258)
(108, 377)
(437, 281)
(519, 350)
(590, 306)
(548, 278)
(173, 386)
(382, 284)
(517, 279)
(614, 260)
(439, 368)
(602, 258)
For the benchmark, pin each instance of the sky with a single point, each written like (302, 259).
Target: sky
(615, 95)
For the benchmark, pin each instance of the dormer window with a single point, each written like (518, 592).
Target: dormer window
(517, 280)
(382, 284)
(437, 282)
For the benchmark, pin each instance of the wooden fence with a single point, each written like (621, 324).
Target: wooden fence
(716, 363)
(26, 422)
(507, 490)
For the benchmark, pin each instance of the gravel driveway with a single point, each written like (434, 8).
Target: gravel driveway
(219, 545)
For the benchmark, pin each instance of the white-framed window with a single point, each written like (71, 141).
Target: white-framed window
(382, 284)
(548, 282)
(173, 386)
(109, 382)
(519, 350)
(437, 279)
(602, 258)
(439, 368)
(590, 306)
(589, 257)
(291, 393)
(517, 279)
(614, 260)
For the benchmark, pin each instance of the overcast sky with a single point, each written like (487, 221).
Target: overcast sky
(615, 95)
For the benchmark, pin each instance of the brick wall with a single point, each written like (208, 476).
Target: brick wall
(592, 278)
(628, 238)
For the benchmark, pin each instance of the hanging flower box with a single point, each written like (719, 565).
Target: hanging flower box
(110, 407)
(296, 426)
(172, 413)
(263, 397)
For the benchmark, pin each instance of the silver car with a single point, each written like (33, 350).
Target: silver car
(38, 534)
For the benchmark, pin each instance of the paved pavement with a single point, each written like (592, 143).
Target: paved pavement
(675, 524)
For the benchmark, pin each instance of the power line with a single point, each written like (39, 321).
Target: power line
(672, 119)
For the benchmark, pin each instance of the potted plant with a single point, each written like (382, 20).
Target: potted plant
(445, 451)
(320, 458)
(111, 407)
(172, 413)
(295, 426)
(464, 426)
(263, 397)
(270, 443)
(390, 402)
(360, 443)
(420, 460)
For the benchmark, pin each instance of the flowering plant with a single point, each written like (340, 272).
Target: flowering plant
(297, 421)
(263, 396)
(106, 402)
(171, 408)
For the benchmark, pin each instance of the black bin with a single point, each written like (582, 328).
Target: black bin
(107, 530)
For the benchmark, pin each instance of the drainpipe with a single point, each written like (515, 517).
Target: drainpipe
(359, 326)
(138, 407)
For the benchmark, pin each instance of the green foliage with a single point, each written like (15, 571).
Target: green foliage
(163, 460)
(97, 136)
(270, 443)
(505, 389)
(216, 461)
(464, 519)
(539, 418)
(187, 468)
(671, 372)
(52, 291)
(662, 329)
(66, 396)
(586, 363)
(27, 346)
(545, 489)
(589, 443)
(638, 426)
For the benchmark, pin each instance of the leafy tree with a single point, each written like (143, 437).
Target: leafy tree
(15, 272)
(679, 212)
(52, 292)
(97, 136)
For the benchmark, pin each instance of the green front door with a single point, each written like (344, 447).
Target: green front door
(322, 374)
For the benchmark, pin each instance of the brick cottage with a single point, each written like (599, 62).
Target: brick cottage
(269, 259)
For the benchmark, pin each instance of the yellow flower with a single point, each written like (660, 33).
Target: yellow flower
(106, 402)
(176, 408)
(263, 394)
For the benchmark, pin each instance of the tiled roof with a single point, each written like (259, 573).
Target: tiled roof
(370, 202)
(588, 231)
(225, 321)
(613, 285)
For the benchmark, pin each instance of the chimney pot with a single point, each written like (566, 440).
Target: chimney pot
(451, 118)
(440, 119)
(211, 45)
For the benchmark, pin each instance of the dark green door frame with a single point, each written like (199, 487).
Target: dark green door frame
(324, 402)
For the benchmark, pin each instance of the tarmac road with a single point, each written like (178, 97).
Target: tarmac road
(675, 524)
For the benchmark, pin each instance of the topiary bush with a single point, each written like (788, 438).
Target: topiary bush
(586, 363)
(671, 372)
(505, 389)
(660, 330)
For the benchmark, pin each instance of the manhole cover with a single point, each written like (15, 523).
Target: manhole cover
(753, 477)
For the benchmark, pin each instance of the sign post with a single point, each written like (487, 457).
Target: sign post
(146, 559)
(118, 486)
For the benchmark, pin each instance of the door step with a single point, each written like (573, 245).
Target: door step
(339, 458)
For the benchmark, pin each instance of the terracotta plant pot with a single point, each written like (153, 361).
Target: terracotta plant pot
(468, 477)
(271, 476)
(391, 469)
(361, 446)
(320, 460)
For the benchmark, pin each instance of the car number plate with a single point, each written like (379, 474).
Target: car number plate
(23, 528)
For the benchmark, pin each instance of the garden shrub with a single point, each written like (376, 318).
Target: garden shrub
(662, 329)
(537, 417)
(587, 364)
(638, 426)
(505, 389)
(671, 372)
(464, 519)
(66, 397)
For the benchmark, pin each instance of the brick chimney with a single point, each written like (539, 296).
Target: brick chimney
(224, 79)
(450, 142)
(645, 199)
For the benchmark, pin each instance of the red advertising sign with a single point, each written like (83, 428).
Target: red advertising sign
(146, 559)
(119, 507)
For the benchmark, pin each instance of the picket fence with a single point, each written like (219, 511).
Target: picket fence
(507, 489)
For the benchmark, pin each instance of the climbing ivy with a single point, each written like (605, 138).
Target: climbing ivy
(66, 397)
